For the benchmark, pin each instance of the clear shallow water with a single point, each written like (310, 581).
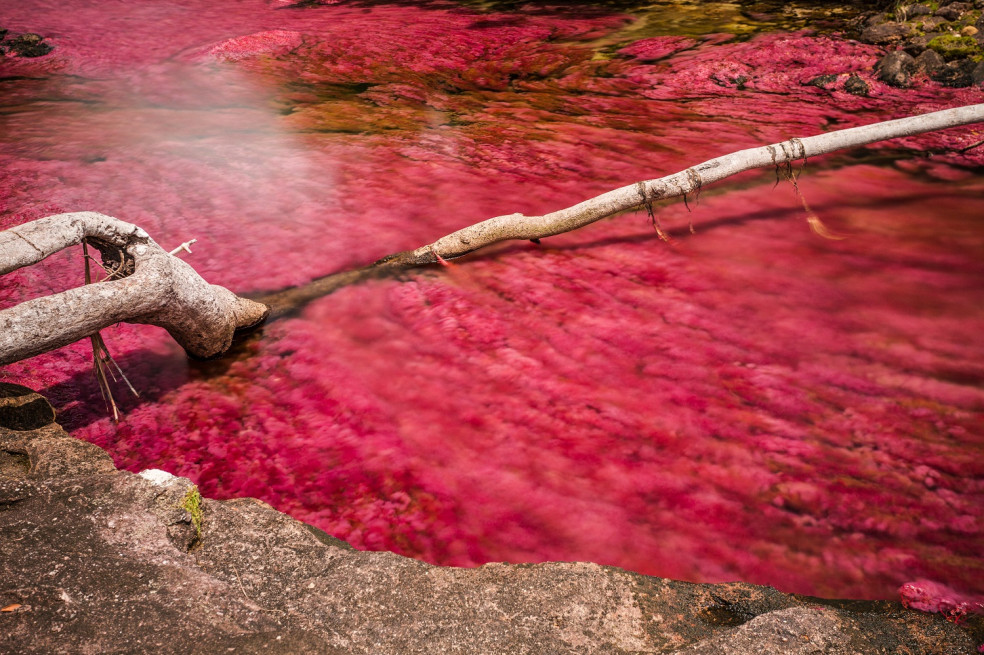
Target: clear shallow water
(748, 402)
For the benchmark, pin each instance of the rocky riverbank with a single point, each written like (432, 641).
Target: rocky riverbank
(101, 560)
(939, 40)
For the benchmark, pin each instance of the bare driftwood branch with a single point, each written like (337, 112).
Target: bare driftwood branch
(147, 285)
(690, 180)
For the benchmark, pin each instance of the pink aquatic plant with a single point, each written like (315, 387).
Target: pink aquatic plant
(750, 402)
(930, 596)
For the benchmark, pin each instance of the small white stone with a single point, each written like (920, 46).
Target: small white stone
(156, 476)
(140, 250)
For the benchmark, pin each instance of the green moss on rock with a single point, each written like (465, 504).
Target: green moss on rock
(192, 503)
(951, 46)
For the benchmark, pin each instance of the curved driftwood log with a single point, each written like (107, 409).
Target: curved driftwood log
(146, 285)
(690, 180)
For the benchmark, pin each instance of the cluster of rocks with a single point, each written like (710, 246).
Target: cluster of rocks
(943, 41)
(852, 83)
(23, 45)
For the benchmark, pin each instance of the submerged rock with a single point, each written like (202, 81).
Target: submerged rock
(822, 81)
(29, 45)
(110, 561)
(856, 86)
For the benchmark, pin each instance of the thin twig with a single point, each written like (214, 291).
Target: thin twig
(971, 147)
(186, 247)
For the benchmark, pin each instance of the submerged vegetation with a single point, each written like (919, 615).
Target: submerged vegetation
(749, 402)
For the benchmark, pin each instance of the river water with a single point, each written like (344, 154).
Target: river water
(745, 401)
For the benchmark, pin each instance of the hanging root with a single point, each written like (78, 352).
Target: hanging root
(798, 151)
(144, 284)
(647, 201)
(696, 183)
(101, 359)
(775, 163)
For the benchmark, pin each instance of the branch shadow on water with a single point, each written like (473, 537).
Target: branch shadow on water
(156, 374)
(289, 302)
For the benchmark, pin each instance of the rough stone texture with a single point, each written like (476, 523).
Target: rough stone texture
(885, 33)
(952, 11)
(977, 74)
(929, 62)
(855, 85)
(97, 560)
(931, 24)
(918, 9)
(956, 74)
(896, 68)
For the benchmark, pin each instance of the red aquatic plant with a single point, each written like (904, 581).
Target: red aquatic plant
(752, 402)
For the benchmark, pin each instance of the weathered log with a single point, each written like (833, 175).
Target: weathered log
(147, 285)
(688, 181)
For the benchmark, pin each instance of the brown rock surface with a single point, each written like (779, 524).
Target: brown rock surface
(96, 560)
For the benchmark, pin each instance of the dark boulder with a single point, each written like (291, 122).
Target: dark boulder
(886, 33)
(930, 23)
(917, 44)
(977, 75)
(956, 74)
(918, 9)
(952, 11)
(896, 68)
(929, 63)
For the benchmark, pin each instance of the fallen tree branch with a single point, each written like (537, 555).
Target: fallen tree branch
(159, 289)
(150, 286)
(690, 180)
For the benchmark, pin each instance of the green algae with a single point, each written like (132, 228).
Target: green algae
(951, 46)
(192, 503)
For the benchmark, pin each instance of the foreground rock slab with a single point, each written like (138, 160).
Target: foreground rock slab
(96, 560)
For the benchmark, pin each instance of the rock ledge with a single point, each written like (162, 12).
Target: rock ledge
(97, 560)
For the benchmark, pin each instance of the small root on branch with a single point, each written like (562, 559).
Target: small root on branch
(101, 358)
